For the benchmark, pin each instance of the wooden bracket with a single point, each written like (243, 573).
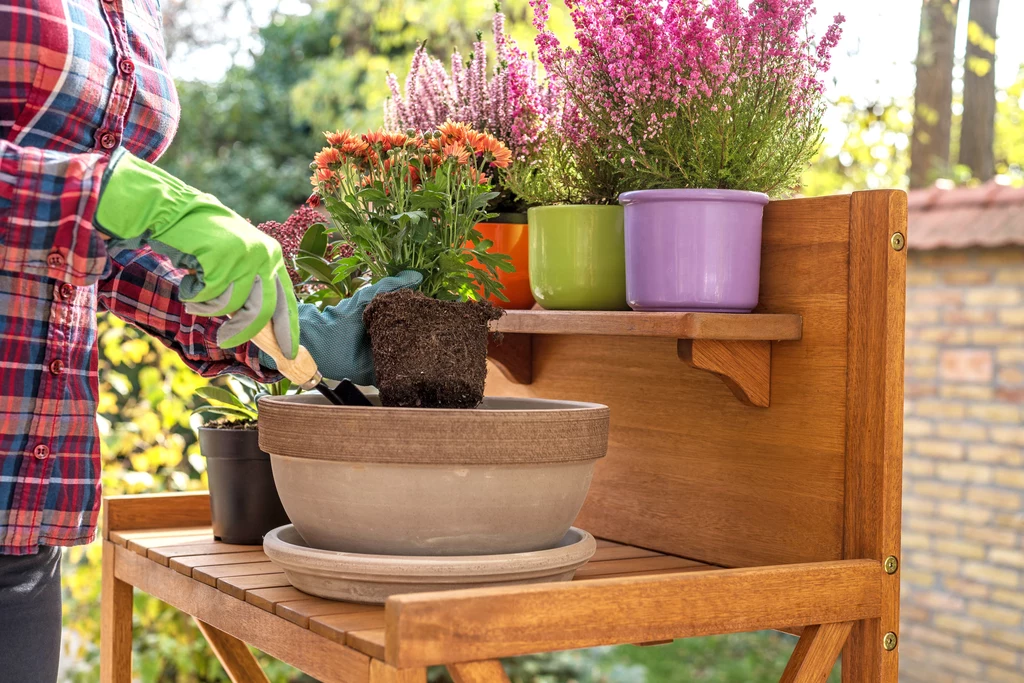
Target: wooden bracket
(816, 652)
(513, 355)
(744, 366)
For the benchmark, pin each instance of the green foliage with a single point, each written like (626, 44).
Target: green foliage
(562, 172)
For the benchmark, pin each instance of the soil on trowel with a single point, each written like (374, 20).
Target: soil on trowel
(429, 353)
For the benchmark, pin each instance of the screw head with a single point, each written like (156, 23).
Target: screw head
(891, 564)
(889, 641)
(898, 241)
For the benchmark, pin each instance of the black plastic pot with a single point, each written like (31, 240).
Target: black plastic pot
(244, 504)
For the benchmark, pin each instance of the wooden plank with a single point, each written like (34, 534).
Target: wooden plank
(267, 598)
(337, 626)
(186, 563)
(478, 672)
(634, 566)
(487, 623)
(115, 622)
(155, 511)
(385, 673)
(874, 434)
(605, 543)
(690, 471)
(154, 536)
(300, 611)
(233, 655)
(163, 554)
(236, 586)
(815, 653)
(621, 552)
(323, 659)
(370, 642)
(670, 325)
(209, 575)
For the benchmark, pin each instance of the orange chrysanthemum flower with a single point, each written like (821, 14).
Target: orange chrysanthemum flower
(456, 151)
(327, 156)
(492, 148)
(453, 132)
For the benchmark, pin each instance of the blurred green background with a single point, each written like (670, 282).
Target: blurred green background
(247, 134)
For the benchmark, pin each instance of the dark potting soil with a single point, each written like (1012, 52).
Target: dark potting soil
(429, 353)
(224, 423)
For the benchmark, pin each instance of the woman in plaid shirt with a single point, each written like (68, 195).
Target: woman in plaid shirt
(86, 104)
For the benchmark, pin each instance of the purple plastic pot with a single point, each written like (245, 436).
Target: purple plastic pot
(693, 250)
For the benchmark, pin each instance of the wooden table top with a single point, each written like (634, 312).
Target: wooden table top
(245, 573)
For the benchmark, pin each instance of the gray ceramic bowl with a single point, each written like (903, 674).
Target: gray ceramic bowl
(372, 578)
(507, 477)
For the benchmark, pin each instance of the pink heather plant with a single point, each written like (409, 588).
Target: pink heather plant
(696, 93)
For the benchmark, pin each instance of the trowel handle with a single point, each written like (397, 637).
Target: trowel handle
(301, 370)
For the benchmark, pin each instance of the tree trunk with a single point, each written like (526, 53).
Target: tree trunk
(977, 134)
(933, 97)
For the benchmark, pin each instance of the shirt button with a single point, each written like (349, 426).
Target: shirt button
(108, 140)
(42, 451)
(127, 67)
(55, 260)
(65, 291)
(56, 367)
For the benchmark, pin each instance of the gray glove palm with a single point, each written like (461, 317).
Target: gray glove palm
(336, 337)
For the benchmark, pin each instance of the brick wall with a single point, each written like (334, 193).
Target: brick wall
(963, 501)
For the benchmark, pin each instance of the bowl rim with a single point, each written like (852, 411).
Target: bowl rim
(314, 401)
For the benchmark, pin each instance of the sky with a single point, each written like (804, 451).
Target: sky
(873, 62)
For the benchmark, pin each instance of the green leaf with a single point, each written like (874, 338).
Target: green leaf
(482, 200)
(317, 267)
(237, 414)
(220, 396)
(314, 241)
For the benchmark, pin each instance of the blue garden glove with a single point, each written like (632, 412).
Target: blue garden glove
(336, 337)
(235, 270)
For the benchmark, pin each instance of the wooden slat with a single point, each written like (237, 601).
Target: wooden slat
(115, 622)
(385, 673)
(690, 470)
(300, 611)
(487, 623)
(267, 598)
(149, 511)
(671, 325)
(370, 642)
(236, 586)
(337, 626)
(874, 422)
(233, 655)
(605, 543)
(186, 563)
(478, 672)
(154, 537)
(634, 566)
(321, 658)
(163, 554)
(816, 652)
(209, 575)
(621, 552)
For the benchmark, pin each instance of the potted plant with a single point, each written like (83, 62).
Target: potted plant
(244, 503)
(577, 247)
(412, 202)
(711, 108)
(510, 102)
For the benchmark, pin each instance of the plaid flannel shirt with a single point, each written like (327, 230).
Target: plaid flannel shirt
(78, 78)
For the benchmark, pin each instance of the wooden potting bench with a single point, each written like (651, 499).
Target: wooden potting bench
(769, 500)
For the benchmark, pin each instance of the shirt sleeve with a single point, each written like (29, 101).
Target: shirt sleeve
(142, 289)
(47, 203)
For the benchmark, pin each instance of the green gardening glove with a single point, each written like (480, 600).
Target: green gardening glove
(235, 270)
(336, 338)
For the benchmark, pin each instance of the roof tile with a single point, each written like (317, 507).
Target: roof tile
(989, 215)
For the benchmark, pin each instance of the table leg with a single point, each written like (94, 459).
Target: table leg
(233, 654)
(385, 673)
(115, 624)
(489, 671)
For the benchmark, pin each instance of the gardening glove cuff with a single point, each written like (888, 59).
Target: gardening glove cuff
(336, 337)
(234, 269)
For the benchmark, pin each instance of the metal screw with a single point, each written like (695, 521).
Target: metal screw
(890, 565)
(889, 641)
(898, 241)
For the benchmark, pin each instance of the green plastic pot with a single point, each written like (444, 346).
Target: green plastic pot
(578, 257)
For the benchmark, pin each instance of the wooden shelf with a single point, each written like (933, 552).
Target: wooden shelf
(735, 347)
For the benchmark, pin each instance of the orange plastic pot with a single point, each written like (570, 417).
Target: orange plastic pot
(509, 233)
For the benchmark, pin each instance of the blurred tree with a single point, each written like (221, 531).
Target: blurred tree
(977, 130)
(933, 96)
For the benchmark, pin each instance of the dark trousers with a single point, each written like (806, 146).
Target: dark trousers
(30, 617)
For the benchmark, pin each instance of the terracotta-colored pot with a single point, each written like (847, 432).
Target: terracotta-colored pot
(354, 577)
(510, 234)
(509, 476)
